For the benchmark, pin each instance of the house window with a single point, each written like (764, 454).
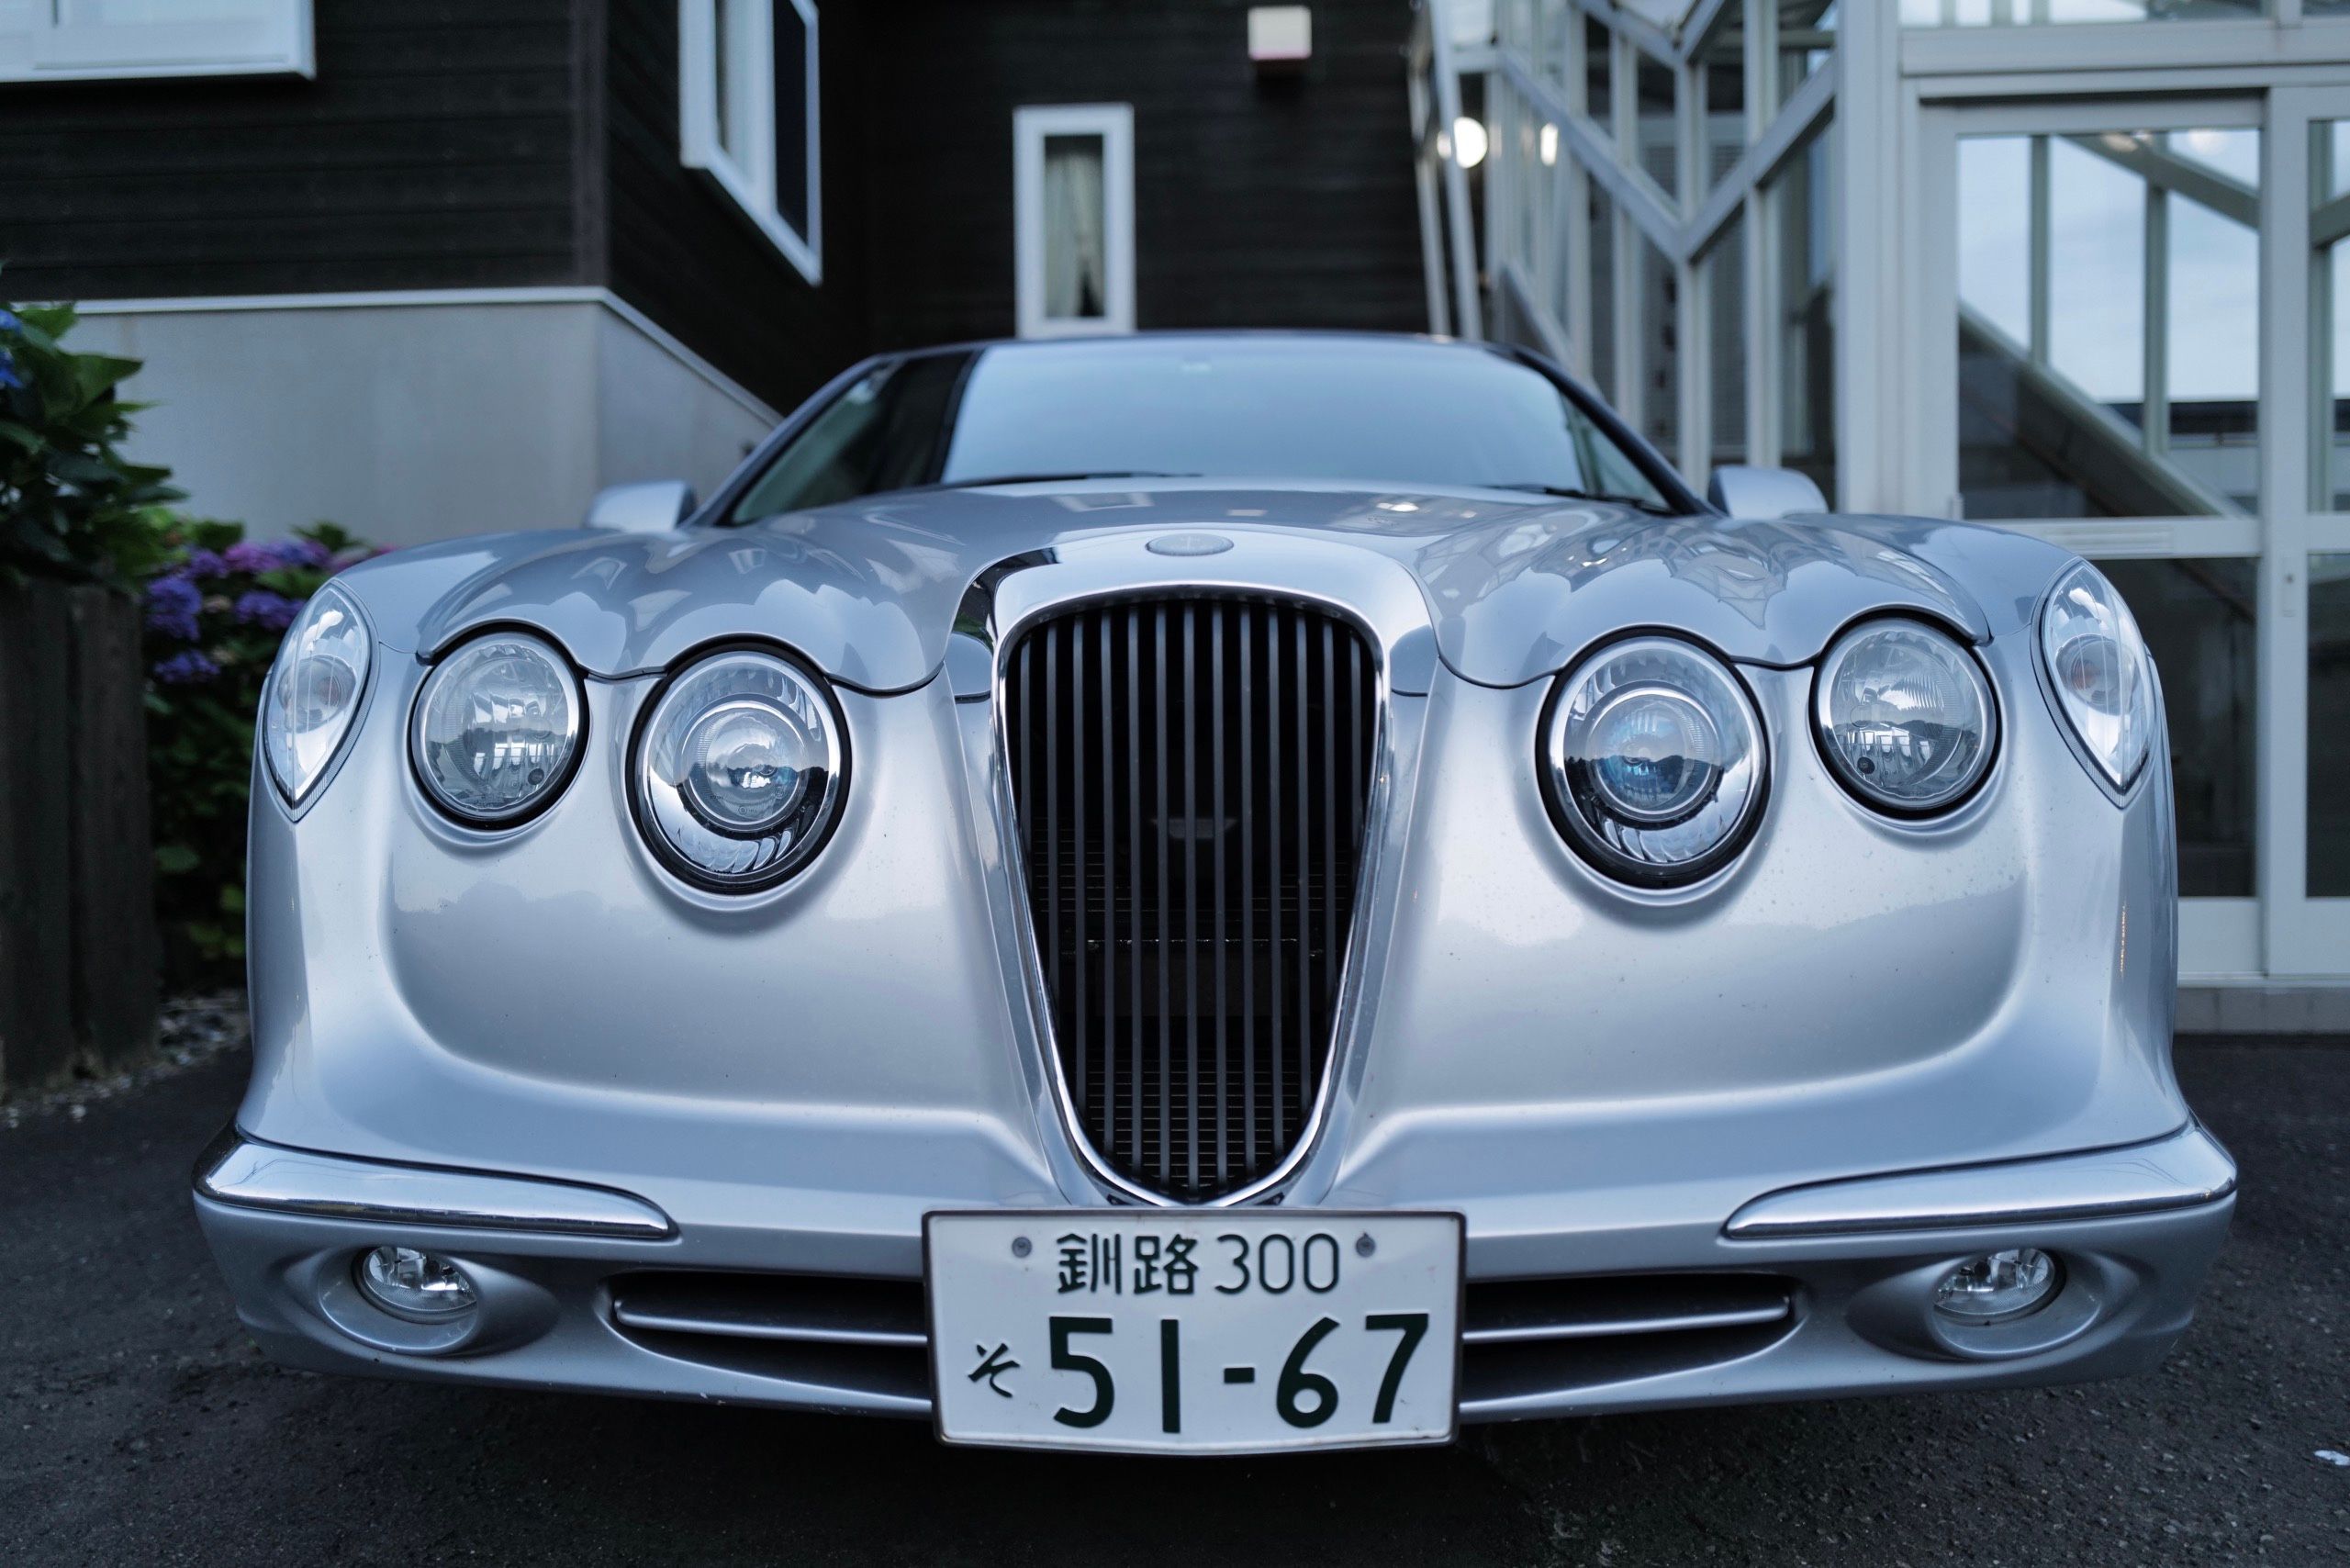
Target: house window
(63, 40)
(748, 117)
(1073, 219)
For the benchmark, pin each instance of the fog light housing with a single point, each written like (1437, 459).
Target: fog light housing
(423, 1287)
(1997, 1287)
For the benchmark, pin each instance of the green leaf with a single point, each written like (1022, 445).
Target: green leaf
(175, 859)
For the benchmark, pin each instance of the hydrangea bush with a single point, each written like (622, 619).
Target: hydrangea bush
(216, 610)
(70, 505)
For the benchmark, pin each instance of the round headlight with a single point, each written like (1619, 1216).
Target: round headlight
(2096, 664)
(739, 770)
(496, 728)
(314, 690)
(1905, 716)
(1655, 761)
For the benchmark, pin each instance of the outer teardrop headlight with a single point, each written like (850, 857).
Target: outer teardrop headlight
(496, 728)
(314, 692)
(739, 771)
(1905, 716)
(1654, 760)
(2098, 668)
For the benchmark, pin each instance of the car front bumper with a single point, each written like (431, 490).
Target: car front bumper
(1811, 1292)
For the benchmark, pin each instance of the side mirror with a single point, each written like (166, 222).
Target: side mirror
(654, 507)
(1758, 495)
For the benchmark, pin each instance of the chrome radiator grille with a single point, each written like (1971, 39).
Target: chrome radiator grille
(1191, 777)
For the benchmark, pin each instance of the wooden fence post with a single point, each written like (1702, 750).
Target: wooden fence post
(78, 947)
(115, 955)
(36, 896)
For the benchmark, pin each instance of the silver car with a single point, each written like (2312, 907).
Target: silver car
(1216, 892)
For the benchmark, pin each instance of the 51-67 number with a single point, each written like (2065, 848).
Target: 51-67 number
(1303, 1398)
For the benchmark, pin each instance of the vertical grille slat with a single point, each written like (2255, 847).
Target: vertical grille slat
(1191, 777)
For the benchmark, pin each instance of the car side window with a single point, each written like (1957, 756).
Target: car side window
(883, 433)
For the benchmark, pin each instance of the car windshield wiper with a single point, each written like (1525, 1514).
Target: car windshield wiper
(1568, 492)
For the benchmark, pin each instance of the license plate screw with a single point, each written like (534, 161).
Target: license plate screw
(1365, 1246)
(1022, 1247)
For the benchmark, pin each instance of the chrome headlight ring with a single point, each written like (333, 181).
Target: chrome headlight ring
(1654, 761)
(1904, 716)
(498, 728)
(738, 768)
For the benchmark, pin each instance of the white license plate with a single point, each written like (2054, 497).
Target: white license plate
(1194, 1331)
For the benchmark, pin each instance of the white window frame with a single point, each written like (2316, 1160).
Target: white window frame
(1114, 124)
(42, 41)
(750, 179)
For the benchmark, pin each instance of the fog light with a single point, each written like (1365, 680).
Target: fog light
(1997, 1286)
(419, 1286)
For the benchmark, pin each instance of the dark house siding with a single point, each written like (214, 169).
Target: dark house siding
(1275, 202)
(435, 148)
(684, 254)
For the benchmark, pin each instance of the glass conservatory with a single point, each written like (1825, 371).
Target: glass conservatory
(2068, 267)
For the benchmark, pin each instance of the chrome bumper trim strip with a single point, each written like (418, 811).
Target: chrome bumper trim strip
(2184, 1170)
(1602, 1328)
(239, 1171)
(629, 1317)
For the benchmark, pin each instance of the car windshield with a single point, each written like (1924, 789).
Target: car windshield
(1379, 413)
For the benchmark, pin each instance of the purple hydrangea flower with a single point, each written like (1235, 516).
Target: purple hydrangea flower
(186, 667)
(259, 606)
(249, 556)
(205, 564)
(9, 323)
(303, 553)
(171, 605)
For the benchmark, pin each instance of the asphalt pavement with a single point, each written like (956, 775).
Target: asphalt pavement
(138, 1425)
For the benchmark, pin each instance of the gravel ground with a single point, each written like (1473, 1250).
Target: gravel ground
(139, 1425)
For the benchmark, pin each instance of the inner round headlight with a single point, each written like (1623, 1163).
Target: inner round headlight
(1905, 716)
(739, 770)
(496, 728)
(1655, 761)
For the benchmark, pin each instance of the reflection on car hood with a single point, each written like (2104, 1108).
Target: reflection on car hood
(1515, 585)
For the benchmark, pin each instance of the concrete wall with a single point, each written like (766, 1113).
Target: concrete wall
(413, 418)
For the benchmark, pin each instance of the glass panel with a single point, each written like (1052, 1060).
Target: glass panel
(1658, 414)
(151, 13)
(1995, 243)
(2330, 309)
(2096, 277)
(2235, 153)
(1599, 73)
(1806, 41)
(1802, 220)
(2108, 324)
(1726, 290)
(1352, 409)
(1999, 13)
(733, 97)
(793, 41)
(2325, 7)
(1600, 352)
(1077, 286)
(2198, 618)
(1721, 79)
(2212, 331)
(1659, 141)
(1356, 410)
(2329, 859)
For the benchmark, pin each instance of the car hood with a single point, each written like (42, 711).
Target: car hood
(869, 591)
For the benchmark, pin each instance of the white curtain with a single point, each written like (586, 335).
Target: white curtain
(1076, 260)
